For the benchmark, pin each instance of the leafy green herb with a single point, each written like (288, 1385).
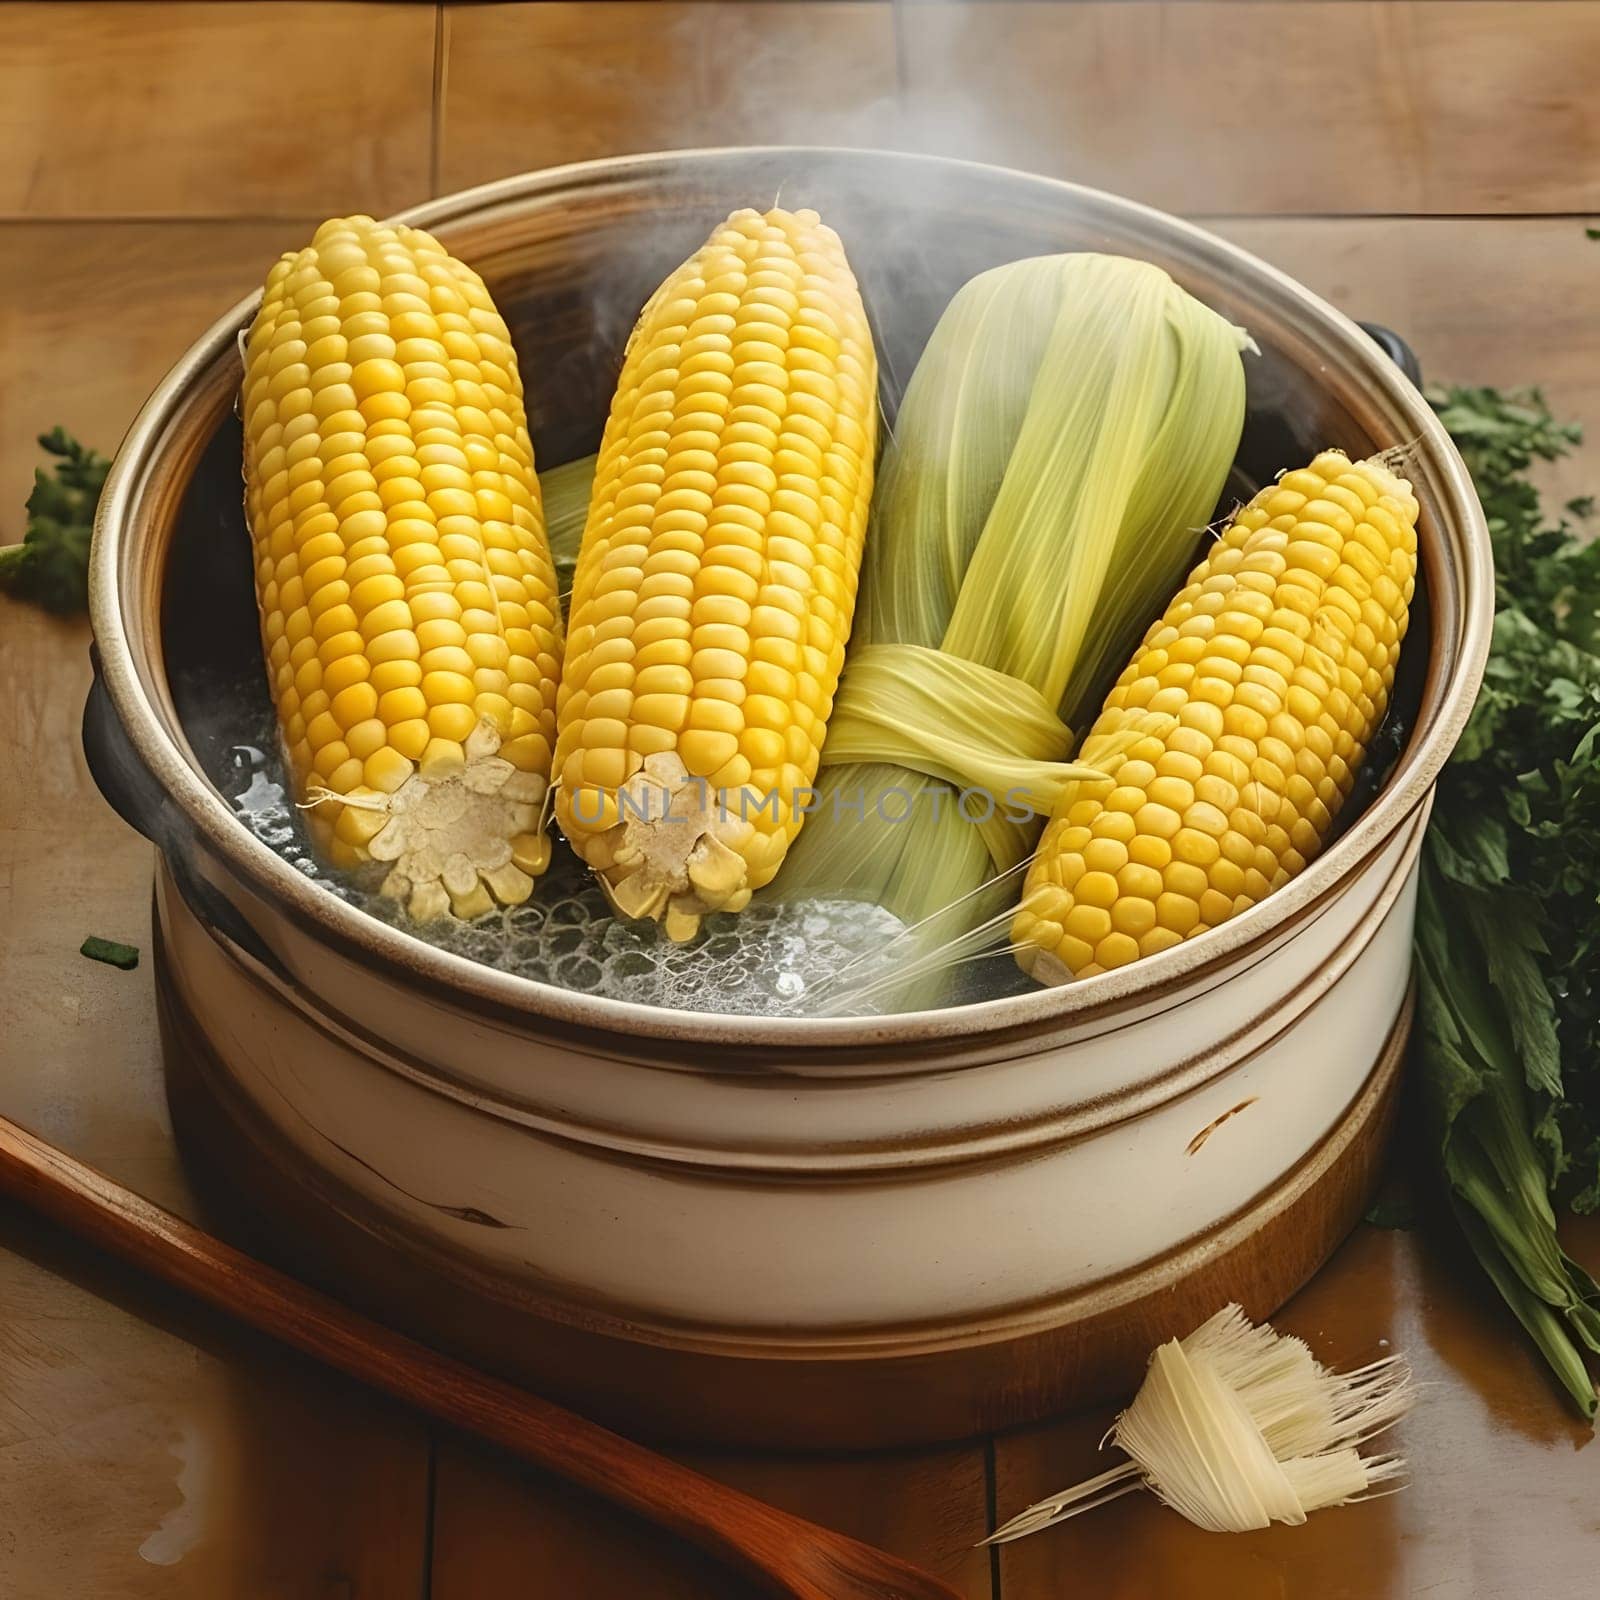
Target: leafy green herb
(109, 951)
(1508, 929)
(51, 565)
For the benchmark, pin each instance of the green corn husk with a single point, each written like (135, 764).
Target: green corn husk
(565, 491)
(1063, 441)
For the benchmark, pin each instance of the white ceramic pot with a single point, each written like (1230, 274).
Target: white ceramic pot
(856, 1231)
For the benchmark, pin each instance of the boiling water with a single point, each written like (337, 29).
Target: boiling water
(815, 958)
(772, 959)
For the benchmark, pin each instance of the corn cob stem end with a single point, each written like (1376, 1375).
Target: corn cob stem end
(462, 832)
(675, 853)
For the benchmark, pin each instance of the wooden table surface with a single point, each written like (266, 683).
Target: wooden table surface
(1429, 165)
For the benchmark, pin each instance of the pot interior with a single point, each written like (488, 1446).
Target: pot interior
(570, 270)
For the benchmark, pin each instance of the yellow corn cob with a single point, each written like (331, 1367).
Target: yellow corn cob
(1235, 734)
(717, 574)
(408, 603)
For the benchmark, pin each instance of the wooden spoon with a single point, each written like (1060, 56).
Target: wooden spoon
(784, 1554)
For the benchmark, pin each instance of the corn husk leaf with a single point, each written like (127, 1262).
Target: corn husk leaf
(565, 491)
(1063, 442)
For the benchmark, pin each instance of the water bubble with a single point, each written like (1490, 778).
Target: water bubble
(762, 962)
(583, 973)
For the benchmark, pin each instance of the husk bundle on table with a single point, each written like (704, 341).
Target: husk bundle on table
(1237, 1427)
(1062, 444)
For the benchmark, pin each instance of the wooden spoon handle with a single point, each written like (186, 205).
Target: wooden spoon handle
(784, 1553)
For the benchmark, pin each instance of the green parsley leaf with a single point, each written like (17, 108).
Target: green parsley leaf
(1508, 920)
(51, 565)
(109, 951)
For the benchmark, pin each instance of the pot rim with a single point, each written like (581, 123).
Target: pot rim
(1152, 979)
